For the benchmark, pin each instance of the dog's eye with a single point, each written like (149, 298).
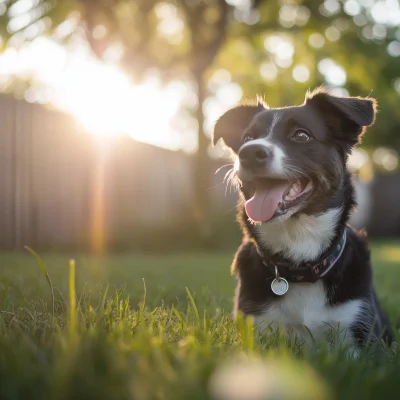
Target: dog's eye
(247, 138)
(301, 136)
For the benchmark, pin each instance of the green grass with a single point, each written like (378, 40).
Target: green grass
(159, 327)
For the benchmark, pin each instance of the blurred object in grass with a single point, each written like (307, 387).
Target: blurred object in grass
(256, 378)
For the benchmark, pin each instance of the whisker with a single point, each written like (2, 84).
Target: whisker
(228, 174)
(226, 165)
(237, 205)
(213, 187)
(234, 183)
(294, 168)
(227, 179)
(230, 182)
(292, 171)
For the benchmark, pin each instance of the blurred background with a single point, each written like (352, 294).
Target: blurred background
(107, 106)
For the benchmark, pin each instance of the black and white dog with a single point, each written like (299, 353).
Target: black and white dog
(300, 265)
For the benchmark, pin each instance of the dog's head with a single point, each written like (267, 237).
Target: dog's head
(294, 159)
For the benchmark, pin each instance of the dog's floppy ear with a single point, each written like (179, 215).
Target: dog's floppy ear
(231, 125)
(349, 116)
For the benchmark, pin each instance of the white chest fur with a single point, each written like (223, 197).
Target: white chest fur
(303, 238)
(305, 305)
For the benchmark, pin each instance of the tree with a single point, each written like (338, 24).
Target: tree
(197, 31)
(133, 24)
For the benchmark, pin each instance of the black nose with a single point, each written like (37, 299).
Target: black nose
(253, 156)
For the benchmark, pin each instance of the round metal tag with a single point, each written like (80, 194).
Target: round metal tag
(280, 286)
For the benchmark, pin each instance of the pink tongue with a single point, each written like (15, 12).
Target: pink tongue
(262, 206)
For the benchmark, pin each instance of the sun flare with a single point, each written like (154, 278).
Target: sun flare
(100, 96)
(105, 103)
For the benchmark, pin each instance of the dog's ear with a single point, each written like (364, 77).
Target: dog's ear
(231, 125)
(348, 116)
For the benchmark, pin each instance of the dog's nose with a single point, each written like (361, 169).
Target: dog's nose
(253, 156)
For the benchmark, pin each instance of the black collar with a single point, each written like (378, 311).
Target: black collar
(307, 271)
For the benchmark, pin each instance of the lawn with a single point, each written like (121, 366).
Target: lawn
(159, 327)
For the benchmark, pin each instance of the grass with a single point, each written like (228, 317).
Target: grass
(159, 327)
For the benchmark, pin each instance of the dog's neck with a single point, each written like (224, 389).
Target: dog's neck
(301, 238)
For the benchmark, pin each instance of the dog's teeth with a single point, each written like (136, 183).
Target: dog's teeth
(308, 187)
(296, 190)
(293, 192)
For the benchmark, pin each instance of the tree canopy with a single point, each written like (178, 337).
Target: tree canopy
(351, 45)
(277, 49)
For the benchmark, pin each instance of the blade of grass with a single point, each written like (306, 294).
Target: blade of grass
(43, 268)
(143, 305)
(192, 302)
(72, 299)
(104, 299)
(249, 334)
(178, 315)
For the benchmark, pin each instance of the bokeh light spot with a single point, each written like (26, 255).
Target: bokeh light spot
(268, 71)
(316, 40)
(379, 31)
(332, 33)
(329, 7)
(394, 48)
(333, 73)
(352, 7)
(301, 73)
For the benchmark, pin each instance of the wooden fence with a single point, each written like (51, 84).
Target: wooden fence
(61, 187)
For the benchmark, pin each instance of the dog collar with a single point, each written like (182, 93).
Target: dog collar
(285, 272)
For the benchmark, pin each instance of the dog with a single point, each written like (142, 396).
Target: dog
(300, 266)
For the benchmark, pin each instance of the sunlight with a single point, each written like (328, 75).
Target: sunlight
(105, 103)
(100, 96)
(98, 206)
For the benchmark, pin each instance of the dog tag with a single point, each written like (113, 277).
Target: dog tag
(280, 286)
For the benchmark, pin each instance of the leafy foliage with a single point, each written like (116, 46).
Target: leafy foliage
(306, 38)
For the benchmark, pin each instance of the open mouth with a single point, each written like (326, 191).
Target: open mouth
(275, 197)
